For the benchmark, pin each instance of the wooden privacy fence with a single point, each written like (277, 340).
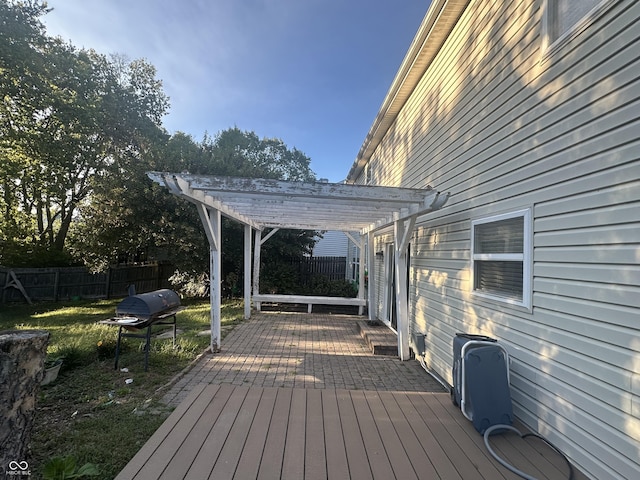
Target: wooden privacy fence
(52, 284)
(332, 268)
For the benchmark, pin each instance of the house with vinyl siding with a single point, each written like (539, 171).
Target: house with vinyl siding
(340, 244)
(332, 244)
(528, 114)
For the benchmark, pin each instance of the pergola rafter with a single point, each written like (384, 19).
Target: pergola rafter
(266, 203)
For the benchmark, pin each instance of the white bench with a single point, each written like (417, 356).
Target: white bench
(310, 300)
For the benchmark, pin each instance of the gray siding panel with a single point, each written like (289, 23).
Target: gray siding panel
(332, 244)
(605, 254)
(503, 128)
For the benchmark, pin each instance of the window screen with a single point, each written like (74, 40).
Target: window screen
(564, 14)
(504, 236)
(499, 278)
(499, 256)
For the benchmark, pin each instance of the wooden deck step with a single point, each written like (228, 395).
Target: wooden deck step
(381, 340)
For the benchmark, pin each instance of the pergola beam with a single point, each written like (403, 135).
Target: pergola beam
(178, 186)
(327, 225)
(263, 203)
(318, 190)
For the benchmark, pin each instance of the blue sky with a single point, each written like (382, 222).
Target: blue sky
(311, 72)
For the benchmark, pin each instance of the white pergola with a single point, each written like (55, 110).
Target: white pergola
(261, 204)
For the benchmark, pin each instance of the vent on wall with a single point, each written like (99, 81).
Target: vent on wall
(418, 341)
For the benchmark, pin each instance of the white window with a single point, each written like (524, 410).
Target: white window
(564, 18)
(501, 257)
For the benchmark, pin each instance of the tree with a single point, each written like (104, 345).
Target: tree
(79, 131)
(132, 218)
(243, 154)
(21, 66)
(70, 118)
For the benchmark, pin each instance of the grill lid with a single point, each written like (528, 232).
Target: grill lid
(148, 305)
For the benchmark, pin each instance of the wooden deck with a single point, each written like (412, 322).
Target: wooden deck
(231, 432)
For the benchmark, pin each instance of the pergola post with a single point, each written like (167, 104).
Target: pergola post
(360, 243)
(212, 223)
(215, 280)
(256, 261)
(402, 230)
(371, 291)
(246, 287)
(256, 265)
(361, 265)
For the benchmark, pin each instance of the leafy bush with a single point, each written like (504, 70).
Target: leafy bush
(279, 278)
(190, 284)
(321, 285)
(62, 468)
(72, 355)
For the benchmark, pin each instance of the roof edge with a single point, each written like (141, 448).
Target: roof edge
(438, 22)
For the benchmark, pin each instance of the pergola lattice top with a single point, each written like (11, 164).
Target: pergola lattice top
(264, 203)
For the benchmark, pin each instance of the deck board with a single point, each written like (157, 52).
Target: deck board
(175, 464)
(253, 450)
(460, 448)
(396, 453)
(139, 461)
(399, 416)
(271, 464)
(235, 432)
(294, 448)
(315, 462)
(353, 442)
(378, 458)
(337, 464)
(214, 442)
(226, 465)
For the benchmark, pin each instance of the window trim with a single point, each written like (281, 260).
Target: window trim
(526, 257)
(552, 47)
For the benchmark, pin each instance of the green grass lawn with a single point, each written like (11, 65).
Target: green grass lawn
(90, 413)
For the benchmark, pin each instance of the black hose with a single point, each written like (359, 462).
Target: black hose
(522, 474)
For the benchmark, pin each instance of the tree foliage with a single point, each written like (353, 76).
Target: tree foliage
(129, 218)
(68, 118)
(78, 132)
(243, 154)
(132, 218)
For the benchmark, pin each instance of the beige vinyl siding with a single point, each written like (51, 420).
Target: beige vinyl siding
(502, 129)
(440, 277)
(332, 244)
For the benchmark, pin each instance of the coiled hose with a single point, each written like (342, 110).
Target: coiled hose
(522, 474)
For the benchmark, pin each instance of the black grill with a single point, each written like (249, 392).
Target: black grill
(148, 306)
(141, 312)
